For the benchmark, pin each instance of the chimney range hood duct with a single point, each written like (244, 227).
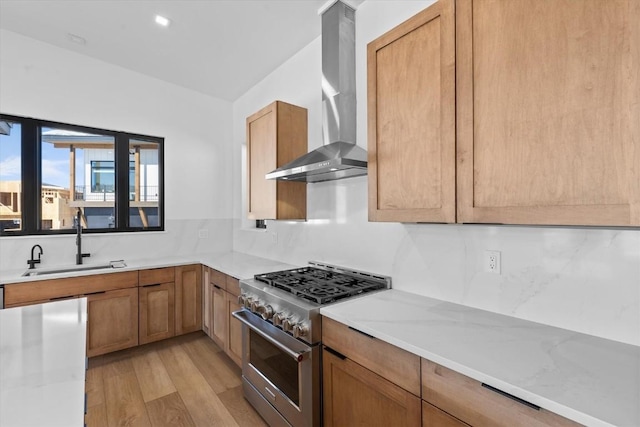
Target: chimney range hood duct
(339, 157)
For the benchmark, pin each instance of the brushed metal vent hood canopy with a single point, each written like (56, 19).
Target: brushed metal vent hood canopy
(339, 157)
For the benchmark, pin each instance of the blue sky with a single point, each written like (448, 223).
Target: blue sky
(55, 162)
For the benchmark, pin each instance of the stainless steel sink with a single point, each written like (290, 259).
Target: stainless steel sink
(113, 264)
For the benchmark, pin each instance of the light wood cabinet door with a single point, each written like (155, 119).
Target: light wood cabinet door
(548, 107)
(276, 135)
(411, 119)
(234, 334)
(188, 299)
(207, 300)
(157, 312)
(355, 396)
(219, 328)
(112, 321)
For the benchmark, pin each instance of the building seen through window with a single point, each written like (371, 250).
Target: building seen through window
(77, 169)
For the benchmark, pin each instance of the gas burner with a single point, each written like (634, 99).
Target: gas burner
(319, 285)
(290, 300)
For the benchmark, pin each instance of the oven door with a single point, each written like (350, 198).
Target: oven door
(283, 373)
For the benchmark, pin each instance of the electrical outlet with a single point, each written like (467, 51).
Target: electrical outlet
(492, 262)
(274, 237)
(203, 233)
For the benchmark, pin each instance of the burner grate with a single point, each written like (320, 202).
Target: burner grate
(317, 285)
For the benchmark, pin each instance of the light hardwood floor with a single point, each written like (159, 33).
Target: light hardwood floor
(182, 381)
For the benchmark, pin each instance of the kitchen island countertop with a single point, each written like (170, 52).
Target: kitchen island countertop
(591, 380)
(42, 364)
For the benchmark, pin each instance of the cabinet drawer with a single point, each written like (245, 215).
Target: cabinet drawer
(434, 417)
(155, 276)
(217, 278)
(56, 288)
(396, 365)
(233, 286)
(355, 396)
(471, 402)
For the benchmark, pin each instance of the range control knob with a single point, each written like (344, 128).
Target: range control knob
(241, 299)
(287, 324)
(266, 311)
(247, 302)
(278, 318)
(300, 330)
(255, 305)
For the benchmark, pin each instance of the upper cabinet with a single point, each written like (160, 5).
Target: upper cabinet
(276, 135)
(411, 119)
(546, 109)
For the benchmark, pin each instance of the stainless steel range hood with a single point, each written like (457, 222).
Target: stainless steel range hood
(339, 157)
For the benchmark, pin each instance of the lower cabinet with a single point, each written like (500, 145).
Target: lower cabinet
(367, 381)
(234, 341)
(224, 329)
(125, 309)
(112, 321)
(188, 298)
(157, 312)
(354, 395)
(219, 316)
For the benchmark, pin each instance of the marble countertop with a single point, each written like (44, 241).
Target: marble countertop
(236, 264)
(593, 381)
(42, 364)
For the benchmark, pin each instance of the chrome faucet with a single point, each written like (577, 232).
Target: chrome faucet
(79, 255)
(32, 262)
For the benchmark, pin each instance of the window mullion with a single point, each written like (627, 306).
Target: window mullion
(122, 182)
(31, 177)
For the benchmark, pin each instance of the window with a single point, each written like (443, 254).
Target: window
(49, 171)
(10, 176)
(103, 177)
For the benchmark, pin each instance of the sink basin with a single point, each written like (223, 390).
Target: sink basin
(30, 273)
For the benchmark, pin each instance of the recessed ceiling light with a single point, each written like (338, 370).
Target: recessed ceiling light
(161, 20)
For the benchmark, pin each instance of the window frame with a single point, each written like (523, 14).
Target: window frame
(31, 162)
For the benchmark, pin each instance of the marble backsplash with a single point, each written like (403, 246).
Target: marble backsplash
(582, 279)
(181, 237)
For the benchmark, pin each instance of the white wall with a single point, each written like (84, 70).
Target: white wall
(582, 279)
(46, 82)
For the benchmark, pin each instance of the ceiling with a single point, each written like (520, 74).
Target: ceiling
(217, 47)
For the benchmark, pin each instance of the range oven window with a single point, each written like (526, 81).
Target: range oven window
(276, 366)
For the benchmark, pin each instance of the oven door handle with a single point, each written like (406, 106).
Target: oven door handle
(243, 316)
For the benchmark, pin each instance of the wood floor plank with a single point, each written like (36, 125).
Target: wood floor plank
(219, 371)
(116, 368)
(125, 406)
(152, 376)
(94, 387)
(207, 386)
(205, 407)
(96, 416)
(240, 409)
(169, 411)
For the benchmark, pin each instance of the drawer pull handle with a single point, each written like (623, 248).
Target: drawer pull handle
(510, 396)
(149, 286)
(95, 293)
(363, 333)
(335, 353)
(61, 298)
(217, 287)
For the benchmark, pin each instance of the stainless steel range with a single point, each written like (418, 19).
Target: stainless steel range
(281, 369)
